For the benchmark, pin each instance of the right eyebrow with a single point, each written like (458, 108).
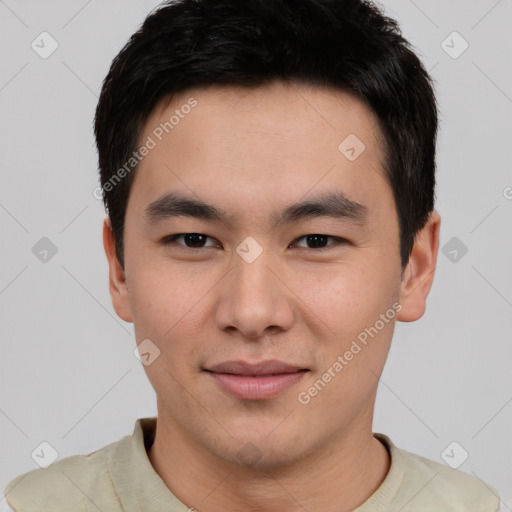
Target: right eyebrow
(177, 205)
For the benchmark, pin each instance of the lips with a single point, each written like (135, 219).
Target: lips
(272, 367)
(255, 381)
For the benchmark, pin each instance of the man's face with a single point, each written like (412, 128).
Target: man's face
(253, 289)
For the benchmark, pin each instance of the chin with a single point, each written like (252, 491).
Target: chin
(259, 452)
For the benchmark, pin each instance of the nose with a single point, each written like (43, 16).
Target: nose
(254, 299)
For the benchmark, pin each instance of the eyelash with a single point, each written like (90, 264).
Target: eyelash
(337, 241)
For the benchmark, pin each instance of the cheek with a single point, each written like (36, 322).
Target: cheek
(164, 297)
(343, 296)
(355, 347)
(171, 304)
(352, 309)
(165, 305)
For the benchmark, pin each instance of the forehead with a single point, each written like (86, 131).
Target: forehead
(264, 146)
(273, 106)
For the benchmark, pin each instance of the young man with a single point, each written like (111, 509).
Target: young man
(268, 168)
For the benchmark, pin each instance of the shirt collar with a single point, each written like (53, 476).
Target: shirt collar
(137, 484)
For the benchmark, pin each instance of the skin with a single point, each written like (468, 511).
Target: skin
(252, 152)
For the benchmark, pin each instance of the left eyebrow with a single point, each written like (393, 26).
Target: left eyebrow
(334, 204)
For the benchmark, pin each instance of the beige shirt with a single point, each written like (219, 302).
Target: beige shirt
(120, 477)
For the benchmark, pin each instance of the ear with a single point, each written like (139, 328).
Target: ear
(419, 272)
(117, 278)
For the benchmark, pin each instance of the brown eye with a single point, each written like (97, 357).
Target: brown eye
(190, 240)
(318, 241)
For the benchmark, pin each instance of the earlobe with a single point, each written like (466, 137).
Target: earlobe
(419, 273)
(117, 278)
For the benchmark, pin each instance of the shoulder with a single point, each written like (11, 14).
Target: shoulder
(73, 483)
(430, 485)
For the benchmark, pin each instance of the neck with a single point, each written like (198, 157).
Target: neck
(338, 477)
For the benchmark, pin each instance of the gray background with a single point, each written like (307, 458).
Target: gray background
(68, 374)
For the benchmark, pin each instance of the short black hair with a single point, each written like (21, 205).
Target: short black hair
(349, 45)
